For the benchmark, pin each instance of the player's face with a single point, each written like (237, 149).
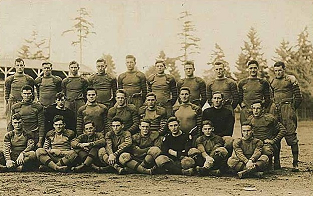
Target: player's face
(117, 127)
(151, 101)
(91, 96)
(184, 96)
(27, 95)
(89, 128)
(47, 69)
(17, 124)
(207, 130)
(101, 67)
(19, 66)
(144, 128)
(257, 109)
(174, 127)
(160, 68)
(61, 102)
(73, 69)
(220, 70)
(247, 132)
(279, 72)
(217, 100)
(130, 64)
(59, 126)
(120, 99)
(189, 70)
(253, 69)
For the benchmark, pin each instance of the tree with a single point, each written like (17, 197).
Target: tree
(251, 51)
(34, 48)
(216, 55)
(189, 42)
(170, 64)
(110, 64)
(82, 28)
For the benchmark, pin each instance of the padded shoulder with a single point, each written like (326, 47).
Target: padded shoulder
(292, 79)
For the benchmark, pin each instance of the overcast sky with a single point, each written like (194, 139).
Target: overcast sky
(144, 27)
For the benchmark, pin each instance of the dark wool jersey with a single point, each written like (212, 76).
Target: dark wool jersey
(286, 89)
(47, 88)
(222, 119)
(181, 144)
(133, 82)
(105, 85)
(14, 84)
(245, 150)
(197, 88)
(69, 117)
(32, 116)
(253, 89)
(157, 116)
(95, 140)
(164, 86)
(145, 142)
(228, 87)
(74, 87)
(128, 114)
(189, 116)
(117, 144)
(267, 127)
(94, 112)
(17, 143)
(208, 144)
(60, 141)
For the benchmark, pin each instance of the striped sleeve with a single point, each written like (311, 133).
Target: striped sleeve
(174, 91)
(257, 151)
(7, 147)
(202, 89)
(235, 95)
(125, 145)
(297, 96)
(239, 151)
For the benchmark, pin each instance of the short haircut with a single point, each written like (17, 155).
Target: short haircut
(207, 122)
(172, 119)
(90, 122)
(16, 116)
(257, 102)
(74, 62)
(131, 57)
(121, 91)
(160, 61)
(101, 60)
(91, 89)
(47, 63)
(117, 119)
(246, 123)
(151, 94)
(145, 120)
(27, 88)
(19, 60)
(60, 95)
(58, 118)
(218, 92)
(218, 63)
(279, 63)
(253, 62)
(190, 63)
(185, 89)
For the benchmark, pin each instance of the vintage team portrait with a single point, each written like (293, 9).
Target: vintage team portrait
(156, 98)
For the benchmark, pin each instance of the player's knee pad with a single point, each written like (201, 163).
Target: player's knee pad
(193, 152)
(264, 158)
(161, 160)
(267, 150)
(228, 141)
(124, 158)
(40, 151)
(187, 162)
(232, 162)
(221, 152)
(154, 151)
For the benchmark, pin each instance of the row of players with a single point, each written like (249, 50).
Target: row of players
(145, 152)
(282, 102)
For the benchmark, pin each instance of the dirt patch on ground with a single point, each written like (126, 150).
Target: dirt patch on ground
(282, 182)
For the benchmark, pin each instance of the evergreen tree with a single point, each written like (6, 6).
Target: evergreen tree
(82, 28)
(216, 55)
(110, 64)
(251, 51)
(189, 42)
(170, 65)
(34, 48)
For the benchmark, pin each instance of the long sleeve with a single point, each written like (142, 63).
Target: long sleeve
(79, 122)
(46, 144)
(8, 83)
(37, 86)
(209, 93)
(174, 91)
(240, 92)
(143, 85)
(235, 94)
(199, 121)
(238, 151)
(114, 89)
(135, 118)
(257, 151)
(41, 123)
(125, 145)
(266, 94)
(30, 145)
(7, 147)
(99, 142)
(202, 89)
(297, 95)
(58, 82)
(109, 143)
(281, 131)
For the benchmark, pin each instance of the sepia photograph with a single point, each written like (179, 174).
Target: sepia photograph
(156, 98)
